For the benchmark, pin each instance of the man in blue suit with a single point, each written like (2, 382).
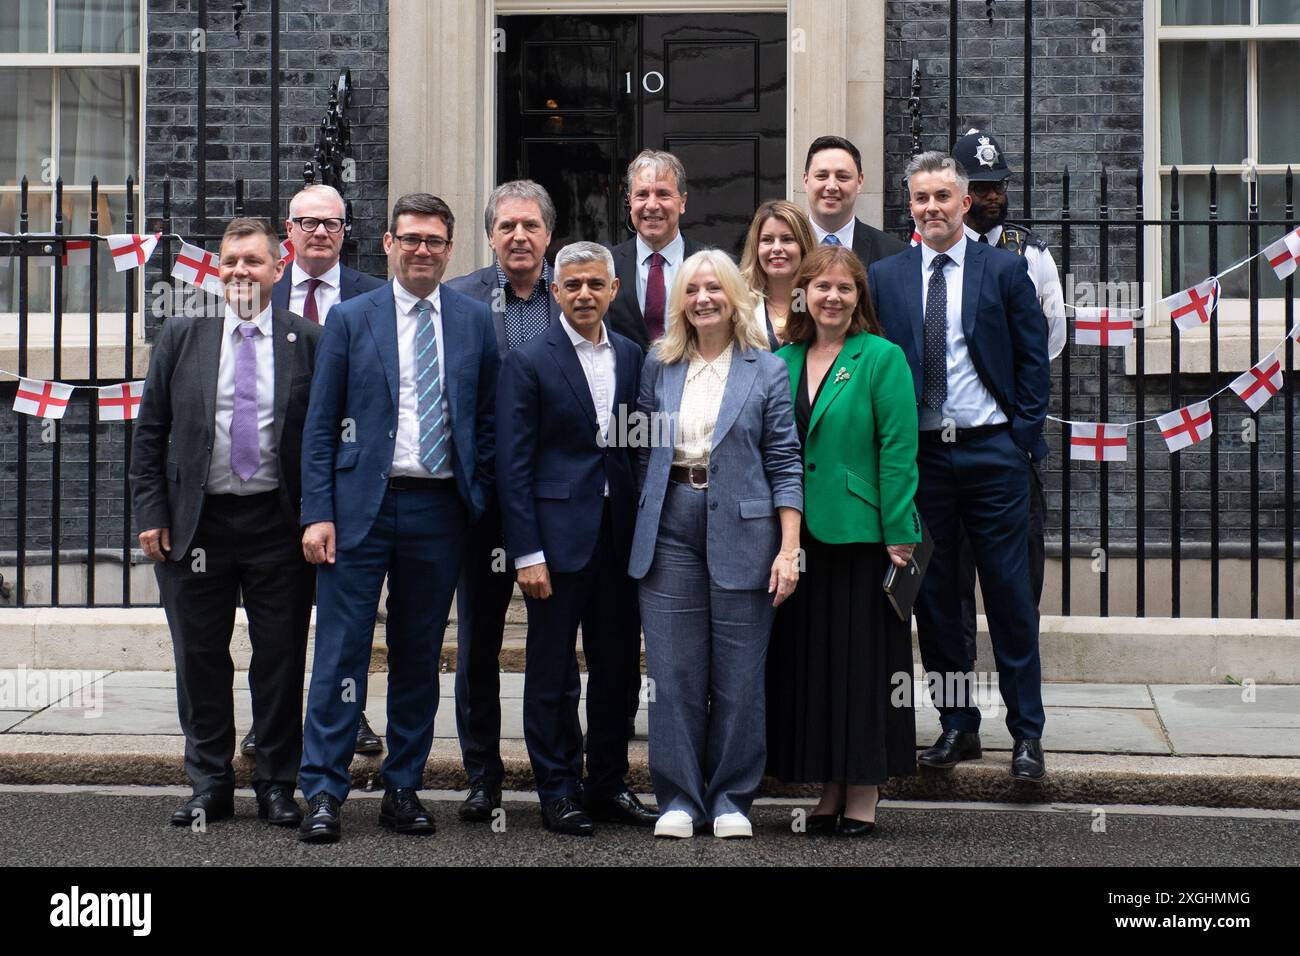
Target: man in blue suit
(519, 219)
(311, 285)
(397, 465)
(568, 506)
(968, 319)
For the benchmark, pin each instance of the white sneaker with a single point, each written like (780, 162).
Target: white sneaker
(675, 823)
(732, 825)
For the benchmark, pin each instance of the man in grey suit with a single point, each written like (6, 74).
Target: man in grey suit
(216, 487)
(832, 179)
(519, 219)
(647, 263)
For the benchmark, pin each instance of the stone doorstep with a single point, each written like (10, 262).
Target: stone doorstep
(1090, 779)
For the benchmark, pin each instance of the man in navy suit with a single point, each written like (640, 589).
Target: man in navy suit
(568, 505)
(519, 219)
(968, 319)
(397, 465)
(310, 286)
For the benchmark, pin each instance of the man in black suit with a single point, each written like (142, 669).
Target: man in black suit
(647, 263)
(216, 487)
(832, 179)
(312, 284)
(519, 219)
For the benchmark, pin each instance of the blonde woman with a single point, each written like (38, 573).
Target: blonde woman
(715, 545)
(779, 237)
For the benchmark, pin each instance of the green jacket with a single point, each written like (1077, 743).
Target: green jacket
(860, 457)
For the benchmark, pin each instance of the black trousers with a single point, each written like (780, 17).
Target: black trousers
(244, 546)
(483, 594)
(599, 598)
(1037, 559)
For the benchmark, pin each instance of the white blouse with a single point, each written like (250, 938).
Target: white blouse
(701, 399)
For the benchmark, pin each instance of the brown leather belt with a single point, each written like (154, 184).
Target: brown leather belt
(697, 476)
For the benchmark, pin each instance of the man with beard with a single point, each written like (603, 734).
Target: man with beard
(986, 166)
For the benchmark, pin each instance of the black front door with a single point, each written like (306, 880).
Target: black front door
(578, 97)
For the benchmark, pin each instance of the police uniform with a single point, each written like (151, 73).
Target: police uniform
(982, 157)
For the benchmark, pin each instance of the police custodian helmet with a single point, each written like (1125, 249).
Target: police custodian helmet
(981, 156)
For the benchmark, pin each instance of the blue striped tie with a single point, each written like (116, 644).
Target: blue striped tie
(428, 389)
(831, 240)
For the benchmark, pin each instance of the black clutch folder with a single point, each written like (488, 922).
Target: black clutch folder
(903, 584)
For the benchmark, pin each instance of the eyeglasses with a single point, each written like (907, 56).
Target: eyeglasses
(309, 223)
(986, 188)
(436, 244)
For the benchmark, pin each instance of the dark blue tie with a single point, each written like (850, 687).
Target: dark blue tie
(934, 366)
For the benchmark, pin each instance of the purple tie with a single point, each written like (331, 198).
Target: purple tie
(245, 455)
(654, 297)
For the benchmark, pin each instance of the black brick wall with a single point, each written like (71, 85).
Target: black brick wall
(1086, 113)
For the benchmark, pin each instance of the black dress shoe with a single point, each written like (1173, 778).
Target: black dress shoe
(402, 812)
(952, 747)
(821, 823)
(565, 816)
(277, 807)
(321, 824)
(854, 828)
(207, 807)
(248, 746)
(1027, 760)
(483, 799)
(368, 741)
(622, 807)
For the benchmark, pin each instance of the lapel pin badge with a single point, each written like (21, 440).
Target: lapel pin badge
(292, 336)
(842, 375)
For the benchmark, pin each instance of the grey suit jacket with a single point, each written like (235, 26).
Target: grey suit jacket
(171, 450)
(754, 466)
(481, 285)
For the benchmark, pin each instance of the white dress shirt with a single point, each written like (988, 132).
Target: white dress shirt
(222, 479)
(674, 253)
(406, 451)
(1047, 283)
(969, 404)
(701, 400)
(327, 293)
(844, 234)
(598, 364)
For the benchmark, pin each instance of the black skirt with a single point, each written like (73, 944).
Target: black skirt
(839, 674)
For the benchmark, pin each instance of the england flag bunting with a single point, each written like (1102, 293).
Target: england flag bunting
(197, 267)
(916, 238)
(1097, 441)
(120, 402)
(1105, 327)
(76, 252)
(1257, 385)
(1284, 254)
(286, 252)
(42, 399)
(1186, 426)
(1191, 308)
(131, 251)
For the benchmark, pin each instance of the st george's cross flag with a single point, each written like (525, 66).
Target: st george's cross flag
(131, 251)
(1097, 441)
(1105, 327)
(286, 252)
(1191, 308)
(916, 238)
(197, 267)
(76, 252)
(120, 402)
(1257, 385)
(1284, 254)
(42, 399)
(1186, 426)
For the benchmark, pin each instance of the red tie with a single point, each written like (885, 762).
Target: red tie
(309, 304)
(654, 297)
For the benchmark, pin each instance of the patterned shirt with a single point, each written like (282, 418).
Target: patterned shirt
(701, 400)
(528, 318)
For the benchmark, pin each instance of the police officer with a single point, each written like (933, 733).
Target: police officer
(986, 166)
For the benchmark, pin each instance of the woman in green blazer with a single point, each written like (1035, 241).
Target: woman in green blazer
(840, 664)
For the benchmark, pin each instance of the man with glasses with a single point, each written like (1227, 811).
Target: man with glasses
(986, 222)
(314, 283)
(397, 466)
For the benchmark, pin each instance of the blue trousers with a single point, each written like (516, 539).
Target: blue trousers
(418, 541)
(706, 656)
(980, 484)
